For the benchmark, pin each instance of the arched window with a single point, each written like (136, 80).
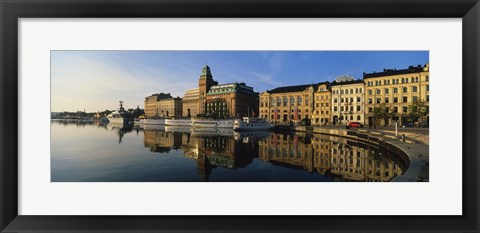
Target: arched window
(414, 89)
(395, 90)
(386, 90)
(405, 90)
(359, 118)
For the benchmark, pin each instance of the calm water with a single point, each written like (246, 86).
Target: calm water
(92, 152)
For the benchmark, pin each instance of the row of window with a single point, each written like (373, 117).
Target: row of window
(395, 99)
(395, 90)
(395, 81)
(347, 108)
(346, 100)
(347, 91)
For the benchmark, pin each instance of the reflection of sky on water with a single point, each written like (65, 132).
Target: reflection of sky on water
(89, 152)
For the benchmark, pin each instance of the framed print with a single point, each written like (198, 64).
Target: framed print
(239, 116)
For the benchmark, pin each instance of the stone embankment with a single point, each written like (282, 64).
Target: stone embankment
(412, 145)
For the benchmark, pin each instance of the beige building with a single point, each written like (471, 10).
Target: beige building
(289, 104)
(396, 90)
(321, 114)
(348, 102)
(190, 103)
(162, 105)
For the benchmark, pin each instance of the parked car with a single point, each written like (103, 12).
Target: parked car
(355, 124)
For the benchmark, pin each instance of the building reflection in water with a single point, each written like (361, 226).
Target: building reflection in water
(336, 158)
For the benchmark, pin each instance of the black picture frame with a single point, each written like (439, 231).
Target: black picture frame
(11, 11)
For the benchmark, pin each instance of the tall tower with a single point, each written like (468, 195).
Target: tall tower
(204, 83)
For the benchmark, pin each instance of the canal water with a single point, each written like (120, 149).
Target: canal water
(84, 151)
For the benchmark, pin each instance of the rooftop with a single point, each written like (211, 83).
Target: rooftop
(297, 88)
(388, 72)
(335, 83)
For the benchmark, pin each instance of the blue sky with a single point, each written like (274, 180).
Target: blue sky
(97, 80)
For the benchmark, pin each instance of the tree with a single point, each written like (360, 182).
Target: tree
(382, 112)
(417, 111)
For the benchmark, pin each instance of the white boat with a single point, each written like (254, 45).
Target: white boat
(178, 122)
(212, 123)
(212, 132)
(154, 121)
(249, 123)
(118, 118)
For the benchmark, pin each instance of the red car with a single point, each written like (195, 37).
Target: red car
(355, 124)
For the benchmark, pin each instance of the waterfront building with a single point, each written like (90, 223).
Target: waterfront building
(289, 104)
(232, 99)
(224, 100)
(396, 90)
(347, 101)
(190, 103)
(322, 111)
(162, 105)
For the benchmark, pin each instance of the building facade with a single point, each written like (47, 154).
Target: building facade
(162, 105)
(231, 100)
(214, 100)
(190, 103)
(288, 104)
(321, 114)
(347, 102)
(394, 91)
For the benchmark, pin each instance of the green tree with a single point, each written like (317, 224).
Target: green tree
(381, 112)
(417, 111)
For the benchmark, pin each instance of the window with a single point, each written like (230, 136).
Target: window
(351, 91)
(306, 101)
(341, 108)
(426, 78)
(285, 101)
(414, 89)
(299, 100)
(341, 100)
(416, 79)
(335, 109)
(317, 105)
(395, 99)
(326, 104)
(341, 92)
(358, 99)
(316, 98)
(405, 109)
(405, 90)
(359, 109)
(359, 118)
(395, 90)
(403, 80)
(386, 100)
(351, 117)
(428, 87)
(397, 81)
(356, 90)
(370, 92)
(428, 99)
(386, 91)
(415, 98)
(395, 109)
(378, 91)
(351, 108)
(405, 99)
(346, 91)
(278, 101)
(378, 100)
(369, 100)
(413, 80)
(292, 100)
(360, 90)
(384, 82)
(388, 82)
(351, 99)
(370, 110)
(334, 100)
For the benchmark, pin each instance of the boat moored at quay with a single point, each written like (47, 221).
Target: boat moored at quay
(212, 123)
(251, 123)
(178, 121)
